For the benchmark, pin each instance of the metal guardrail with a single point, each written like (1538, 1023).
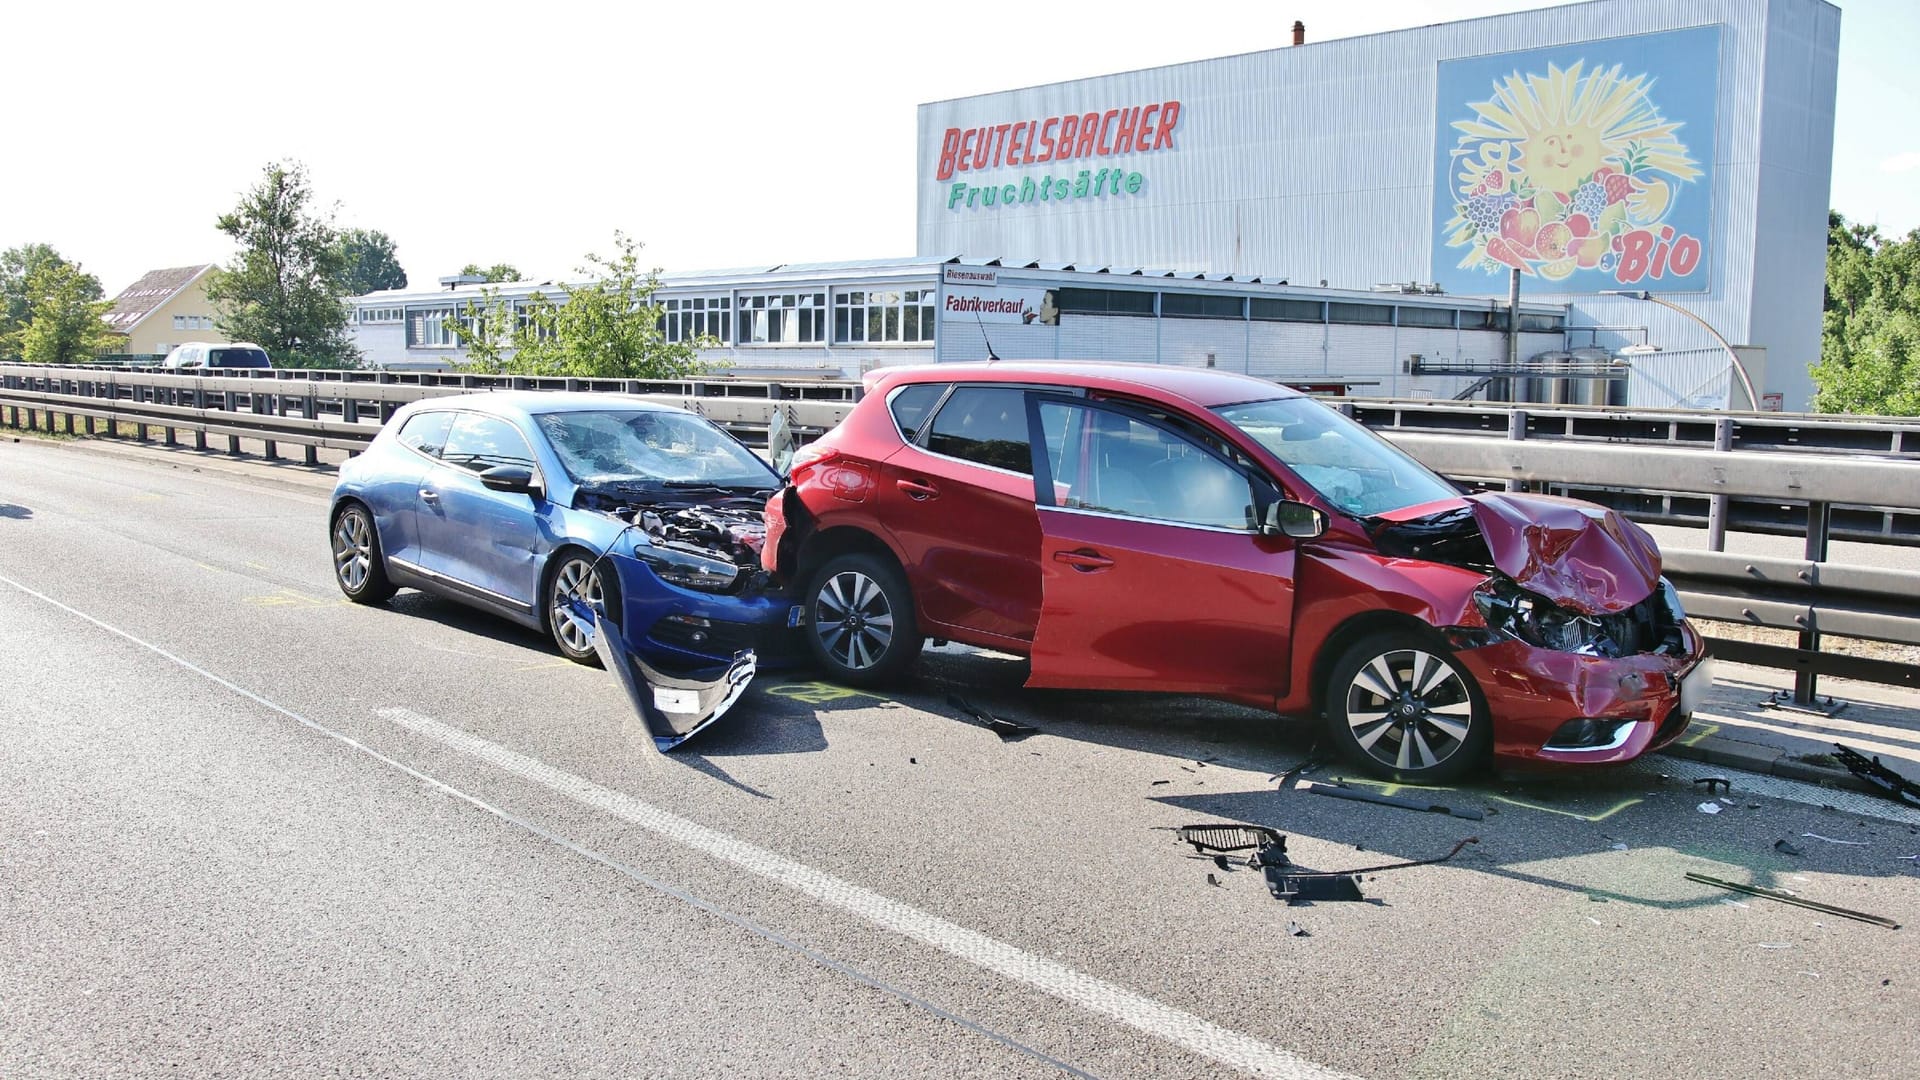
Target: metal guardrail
(1869, 467)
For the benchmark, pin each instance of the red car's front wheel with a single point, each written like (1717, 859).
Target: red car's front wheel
(1400, 706)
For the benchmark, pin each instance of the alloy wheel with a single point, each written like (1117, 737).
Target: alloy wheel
(853, 620)
(352, 549)
(1409, 709)
(576, 578)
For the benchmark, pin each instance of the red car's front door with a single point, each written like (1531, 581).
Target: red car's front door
(1152, 574)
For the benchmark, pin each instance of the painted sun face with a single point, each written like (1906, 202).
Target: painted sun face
(1558, 159)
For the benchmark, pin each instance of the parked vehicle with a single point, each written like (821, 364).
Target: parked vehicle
(1156, 528)
(628, 531)
(202, 355)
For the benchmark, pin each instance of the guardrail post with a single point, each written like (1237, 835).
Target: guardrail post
(1517, 431)
(1717, 504)
(1819, 524)
(229, 404)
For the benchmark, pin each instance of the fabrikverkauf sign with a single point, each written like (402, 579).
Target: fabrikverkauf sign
(1061, 158)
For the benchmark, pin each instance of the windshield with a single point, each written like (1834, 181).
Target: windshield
(649, 446)
(1357, 471)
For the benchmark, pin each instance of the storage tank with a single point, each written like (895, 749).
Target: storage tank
(1589, 391)
(1542, 386)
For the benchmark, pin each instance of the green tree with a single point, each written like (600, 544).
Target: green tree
(283, 289)
(65, 326)
(1870, 335)
(606, 328)
(498, 272)
(368, 263)
(17, 267)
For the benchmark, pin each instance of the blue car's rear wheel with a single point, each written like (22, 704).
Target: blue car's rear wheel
(576, 577)
(358, 565)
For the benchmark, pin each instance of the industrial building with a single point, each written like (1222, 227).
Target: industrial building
(1350, 214)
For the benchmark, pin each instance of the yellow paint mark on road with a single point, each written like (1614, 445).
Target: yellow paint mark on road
(289, 598)
(204, 566)
(1698, 732)
(149, 497)
(544, 664)
(818, 693)
(1389, 787)
(1601, 816)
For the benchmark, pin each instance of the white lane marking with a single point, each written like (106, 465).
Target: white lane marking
(585, 852)
(1097, 995)
(1054, 979)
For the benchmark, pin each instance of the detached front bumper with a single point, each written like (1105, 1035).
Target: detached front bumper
(1537, 698)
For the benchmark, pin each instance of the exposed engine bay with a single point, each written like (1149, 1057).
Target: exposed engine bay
(1561, 575)
(708, 544)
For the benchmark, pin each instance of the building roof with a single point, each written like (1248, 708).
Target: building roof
(144, 296)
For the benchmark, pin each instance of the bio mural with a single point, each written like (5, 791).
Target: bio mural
(1586, 167)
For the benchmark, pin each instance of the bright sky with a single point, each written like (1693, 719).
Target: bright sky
(722, 135)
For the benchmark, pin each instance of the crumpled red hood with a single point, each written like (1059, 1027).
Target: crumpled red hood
(1574, 553)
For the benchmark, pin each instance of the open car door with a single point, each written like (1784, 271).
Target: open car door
(1153, 575)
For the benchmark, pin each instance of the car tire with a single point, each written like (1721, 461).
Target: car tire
(860, 620)
(1399, 705)
(577, 570)
(358, 565)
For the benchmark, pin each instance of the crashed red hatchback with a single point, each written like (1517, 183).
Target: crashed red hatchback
(1146, 527)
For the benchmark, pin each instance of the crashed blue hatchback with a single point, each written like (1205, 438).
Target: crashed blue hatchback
(629, 531)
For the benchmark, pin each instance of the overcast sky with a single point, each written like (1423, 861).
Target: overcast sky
(719, 134)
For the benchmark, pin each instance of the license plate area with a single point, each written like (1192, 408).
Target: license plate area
(1694, 687)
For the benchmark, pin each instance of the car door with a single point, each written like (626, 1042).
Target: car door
(1152, 573)
(485, 540)
(959, 501)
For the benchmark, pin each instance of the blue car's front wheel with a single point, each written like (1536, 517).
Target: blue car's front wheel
(575, 590)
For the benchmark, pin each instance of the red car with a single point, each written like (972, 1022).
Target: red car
(1131, 526)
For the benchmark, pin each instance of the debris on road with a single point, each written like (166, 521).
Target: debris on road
(1285, 880)
(1157, 783)
(1709, 807)
(1786, 847)
(1211, 880)
(1786, 897)
(1883, 780)
(1314, 759)
(1831, 840)
(1388, 800)
(1294, 929)
(1710, 781)
(1008, 730)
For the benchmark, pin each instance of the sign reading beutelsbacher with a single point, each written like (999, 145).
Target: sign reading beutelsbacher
(1054, 159)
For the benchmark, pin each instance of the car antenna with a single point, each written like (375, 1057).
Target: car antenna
(984, 337)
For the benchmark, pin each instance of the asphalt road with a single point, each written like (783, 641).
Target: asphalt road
(248, 829)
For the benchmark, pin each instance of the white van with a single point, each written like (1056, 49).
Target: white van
(200, 355)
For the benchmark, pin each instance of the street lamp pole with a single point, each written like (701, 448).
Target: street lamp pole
(1733, 358)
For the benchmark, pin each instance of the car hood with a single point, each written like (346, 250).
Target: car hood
(1574, 553)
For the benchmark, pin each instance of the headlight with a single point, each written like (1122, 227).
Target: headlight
(688, 569)
(1534, 619)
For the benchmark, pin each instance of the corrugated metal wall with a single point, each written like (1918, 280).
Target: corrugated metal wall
(1316, 163)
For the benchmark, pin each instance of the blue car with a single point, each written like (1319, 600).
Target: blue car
(629, 531)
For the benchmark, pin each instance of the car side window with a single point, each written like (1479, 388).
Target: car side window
(986, 425)
(1120, 464)
(427, 432)
(478, 443)
(911, 404)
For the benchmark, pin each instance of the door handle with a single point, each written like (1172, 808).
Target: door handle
(918, 490)
(429, 495)
(1085, 560)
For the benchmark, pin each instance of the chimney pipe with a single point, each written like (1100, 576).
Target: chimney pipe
(1299, 32)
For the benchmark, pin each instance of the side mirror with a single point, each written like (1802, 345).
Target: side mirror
(1296, 519)
(515, 478)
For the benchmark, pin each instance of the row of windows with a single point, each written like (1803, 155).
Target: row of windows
(905, 316)
(1176, 305)
(193, 322)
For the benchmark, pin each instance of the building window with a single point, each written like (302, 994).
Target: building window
(381, 315)
(1289, 310)
(527, 320)
(782, 319)
(431, 327)
(1103, 301)
(1536, 324)
(684, 318)
(1427, 316)
(1361, 314)
(882, 315)
(193, 322)
(1202, 306)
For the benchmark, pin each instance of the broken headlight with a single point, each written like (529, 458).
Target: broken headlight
(688, 569)
(1536, 620)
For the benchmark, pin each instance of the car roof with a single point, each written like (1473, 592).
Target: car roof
(525, 403)
(1204, 387)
